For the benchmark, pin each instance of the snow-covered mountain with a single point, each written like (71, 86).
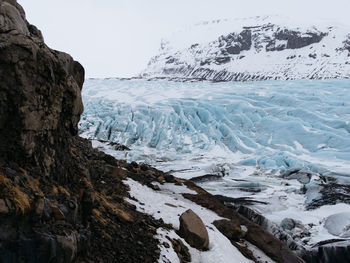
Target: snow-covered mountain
(257, 48)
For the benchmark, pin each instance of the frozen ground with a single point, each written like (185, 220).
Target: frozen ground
(250, 132)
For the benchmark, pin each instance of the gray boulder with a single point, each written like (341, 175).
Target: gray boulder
(193, 230)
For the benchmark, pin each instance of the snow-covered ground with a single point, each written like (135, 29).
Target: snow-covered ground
(250, 132)
(168, 204)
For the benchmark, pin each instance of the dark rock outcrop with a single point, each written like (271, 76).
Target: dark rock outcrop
(40, 102)
(60, 199)
(181, 250)
(347, 43)
(293, 39)
(329, 251)
(230, 228)
(235, 43)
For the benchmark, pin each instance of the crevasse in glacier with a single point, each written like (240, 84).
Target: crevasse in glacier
(269, 124)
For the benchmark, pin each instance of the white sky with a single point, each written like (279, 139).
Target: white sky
(116, 38)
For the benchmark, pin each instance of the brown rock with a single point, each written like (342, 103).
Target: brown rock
(161, 179)
(39, 207)
(169, 178)
(193, 230)
(12, 19)
(232, 230)
(171, 205)
(155, 187)
(166, 245)
(69, 247)
(3, 207)
(118, 172)
(181, 250)
(178, 181)
(57, 213)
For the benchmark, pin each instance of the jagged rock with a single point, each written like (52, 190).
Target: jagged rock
(39, 207)
(235, 43)
(57, 213)
(294, 227)
(181, 250)
(3, 207)
(193, 230)
(329, 251)
(69, 246)
(347, 43)
(206, 178)
(293, 39)
(302, 176)
(12, 18)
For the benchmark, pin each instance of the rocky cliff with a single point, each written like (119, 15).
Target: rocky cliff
(54, 206)
(258, 48)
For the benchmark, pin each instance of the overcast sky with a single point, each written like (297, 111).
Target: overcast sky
(116, 38)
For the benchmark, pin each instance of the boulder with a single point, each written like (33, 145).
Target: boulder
(193, 230)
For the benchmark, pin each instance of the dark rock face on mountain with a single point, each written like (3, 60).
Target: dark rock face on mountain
(347, 43)
(60, 199)
(293, 39)
(235, 43)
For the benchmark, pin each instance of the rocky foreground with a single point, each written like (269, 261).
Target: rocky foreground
(63, 201)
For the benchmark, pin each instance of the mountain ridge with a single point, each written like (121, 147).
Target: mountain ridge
(258, 48)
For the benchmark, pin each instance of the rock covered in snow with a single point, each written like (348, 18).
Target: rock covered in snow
(303, 176)
(257, 48)
(339, 224)
(295, 228)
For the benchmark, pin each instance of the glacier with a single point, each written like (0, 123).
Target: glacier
(282, 145)
(270, 125)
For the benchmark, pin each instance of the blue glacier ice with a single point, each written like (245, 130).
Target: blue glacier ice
(272, 124)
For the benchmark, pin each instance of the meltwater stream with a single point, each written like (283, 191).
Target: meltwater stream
(250, 132)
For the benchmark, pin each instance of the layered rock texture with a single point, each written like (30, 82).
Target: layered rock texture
(258, 48)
